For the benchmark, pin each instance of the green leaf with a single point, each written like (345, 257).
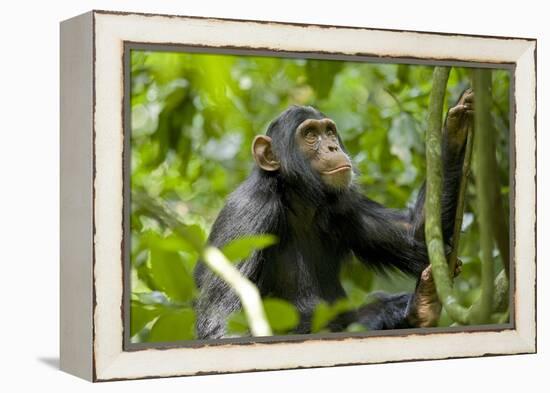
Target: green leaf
(173, 242)
(241, 248)
(170, 275)
(281, 315)
(356, 272)
(321, 316)
(320, 75)
(356, 328)
(174, 326)
(150, 298)
(237, 323)
(324, 313)
(141, 315)
(195, 233)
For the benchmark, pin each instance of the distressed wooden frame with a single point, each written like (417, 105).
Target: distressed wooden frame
(92, 317)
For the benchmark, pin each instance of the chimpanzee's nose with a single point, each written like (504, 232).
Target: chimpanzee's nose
(332, 148)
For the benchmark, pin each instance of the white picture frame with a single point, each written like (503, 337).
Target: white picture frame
(92, 176)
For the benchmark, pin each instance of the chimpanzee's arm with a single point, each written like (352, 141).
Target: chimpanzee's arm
(387, 311)
(381, 237)
(404, 310)
(397, 240)
(455, 130)
(385, 237)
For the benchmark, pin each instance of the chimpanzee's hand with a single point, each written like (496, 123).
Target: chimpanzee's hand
(426, 306)
(459, 119)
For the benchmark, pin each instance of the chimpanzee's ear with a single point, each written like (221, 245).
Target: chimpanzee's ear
(263, 154)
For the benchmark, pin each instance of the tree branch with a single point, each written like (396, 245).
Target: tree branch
(485, 173)
(433, 231)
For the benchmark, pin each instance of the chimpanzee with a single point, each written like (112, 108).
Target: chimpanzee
(302, 191)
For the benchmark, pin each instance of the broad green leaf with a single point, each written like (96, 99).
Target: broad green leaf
(237, 323)
(141, 315)
(170, 275)
(194, 233)
(281, 315)
(174, 326)
(324, 313)
(321, 316)
(172, 242)
(241, 248)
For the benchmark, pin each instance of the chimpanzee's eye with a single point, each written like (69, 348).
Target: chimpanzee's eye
(310, 135)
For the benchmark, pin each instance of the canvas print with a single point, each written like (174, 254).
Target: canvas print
(284, 196)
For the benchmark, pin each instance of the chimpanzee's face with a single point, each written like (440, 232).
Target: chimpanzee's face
(318, 140)
(305, 150)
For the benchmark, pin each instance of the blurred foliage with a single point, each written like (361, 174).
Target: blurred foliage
(193, 118)
(240, 249)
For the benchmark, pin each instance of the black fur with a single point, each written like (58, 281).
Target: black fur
(319, 229)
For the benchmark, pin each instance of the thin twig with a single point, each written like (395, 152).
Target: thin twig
(246, 291)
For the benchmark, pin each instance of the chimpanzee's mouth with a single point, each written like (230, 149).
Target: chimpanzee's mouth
(342, 168)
